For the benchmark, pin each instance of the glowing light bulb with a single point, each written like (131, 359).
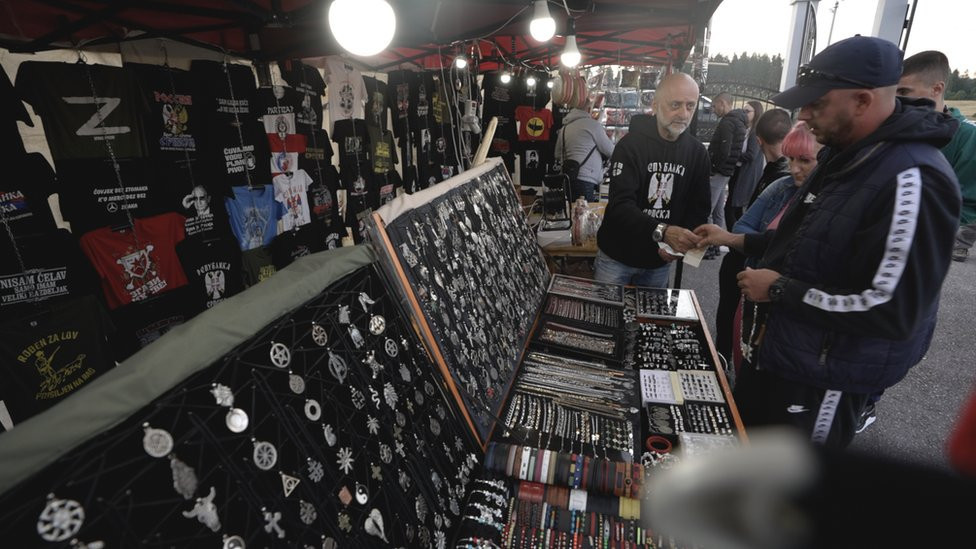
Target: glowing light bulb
(362, 27)
(543, 26)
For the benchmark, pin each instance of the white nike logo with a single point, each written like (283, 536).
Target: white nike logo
(796, 409)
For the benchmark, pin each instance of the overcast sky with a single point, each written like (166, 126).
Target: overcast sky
(762, 26)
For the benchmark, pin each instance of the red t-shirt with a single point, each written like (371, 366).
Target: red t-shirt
(134, 264)
(534, 124)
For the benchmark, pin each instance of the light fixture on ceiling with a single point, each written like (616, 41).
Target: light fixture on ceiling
(461, 61)
(543, 26)
(571, 55)
(506, 77)
(550, 84)
(362, 27)
(530, 81)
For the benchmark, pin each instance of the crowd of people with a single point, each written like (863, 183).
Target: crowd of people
(840, 220)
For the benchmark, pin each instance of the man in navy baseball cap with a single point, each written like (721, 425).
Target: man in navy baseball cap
(859, 62)
(847, 286)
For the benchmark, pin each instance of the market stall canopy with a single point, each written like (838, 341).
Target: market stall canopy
(637, 32)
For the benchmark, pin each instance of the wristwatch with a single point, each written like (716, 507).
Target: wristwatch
(658, 234)
(778, 288)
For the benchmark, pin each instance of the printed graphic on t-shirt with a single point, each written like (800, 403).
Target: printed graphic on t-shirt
(425, 141)
(176, 118)
(660, 188)
(116, 200)
(322, 203)
(199, 218)
(354, 145)
(255, 225)
(140, 274)
(13, 204)
(382, 161)
(280, 122)
(307, 115)
(226, 105)
(535, 126)
(214, 275)
(35, 284)
(284, 162)
(403, 100)
(346, 98)
(378, 104)
(239, 159)
(422, 105)
(532, 159)
(58, 373)
(358, 186)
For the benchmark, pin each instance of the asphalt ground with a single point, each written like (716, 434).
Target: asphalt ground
(915, 416)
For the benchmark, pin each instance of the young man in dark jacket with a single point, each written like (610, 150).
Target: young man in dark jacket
(852, 275)
(658, 190)
(724, 150)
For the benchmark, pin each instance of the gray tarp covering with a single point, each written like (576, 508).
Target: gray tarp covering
(185, 350)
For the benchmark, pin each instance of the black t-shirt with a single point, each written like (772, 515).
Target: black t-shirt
(558, 113)
(90, 194)
(276, 102)
(322, 198)
(358, 211)
(290, 245)
(376, 105)
(80, 122)
(194, 196)
(141, 323)
(536, 96)
(56, 269)
(386, 185)
(318, 152)
(353, 140)
(11, 108)
(258, 265)
(24, 191)
(47, 356)
(172, 122)
(236, 146)
(399, 99)
(213, 270)
(421, 101)
(307, 81)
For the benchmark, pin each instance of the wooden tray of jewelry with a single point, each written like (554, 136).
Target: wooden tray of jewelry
(469, 267)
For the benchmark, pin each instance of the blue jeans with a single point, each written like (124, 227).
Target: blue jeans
(615, 272)
(586, 189)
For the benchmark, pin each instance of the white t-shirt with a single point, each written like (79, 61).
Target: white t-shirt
(292, 192)
(346, 92)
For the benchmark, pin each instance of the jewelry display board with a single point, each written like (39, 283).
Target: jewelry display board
(328, 428)
(469, 267)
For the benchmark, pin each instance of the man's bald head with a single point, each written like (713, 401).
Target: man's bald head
(674, 104)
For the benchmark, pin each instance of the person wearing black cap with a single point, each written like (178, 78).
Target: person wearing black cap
(854, 270)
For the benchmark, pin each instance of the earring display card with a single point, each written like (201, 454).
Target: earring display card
(584, 288)
(329, 428)
(698, 385)
(666, 304)
(660, 386)
(471, 266)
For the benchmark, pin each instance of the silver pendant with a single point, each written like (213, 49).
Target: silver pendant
(389, 394)
(312, 409)
(405, 373)
(386, 454)
(157, 442)
(271, 522)
(376, 472)
(205, 511)
(375, 366)
(372, 425)
(357, 398)
(420, 506)
(391, 348)
(280, 355)
(61, 519)
(404, 480)
(365, 301)
(374, 525)
(408, 255)
(418, 396)
(330, 543)
(377, 324)
(345, 460)
(288, 483)
(223, 395)
(435, 427)
(337, 367)
(345, 524)
(234, 542)
(374, 396)
(344, 314)
(184, 477)
(296, 383)
(319, 335)
(265, 455)
(315, 470)
(362, 496)
(330, 437)
(307, 512)
(357, 338)
(236, 420)
(436, 480)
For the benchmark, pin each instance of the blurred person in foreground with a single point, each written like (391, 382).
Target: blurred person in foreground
(658, 191)
(925, 75)
(854, 270)
(771, 130)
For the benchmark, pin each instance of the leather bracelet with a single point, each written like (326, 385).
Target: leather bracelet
(510, 464)
(572, 471)
(552, 467)
(658, 444)
(530, 470)
(586, 472)
(544, 467)
(524, 463)
(579, 471)
(577, 500)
